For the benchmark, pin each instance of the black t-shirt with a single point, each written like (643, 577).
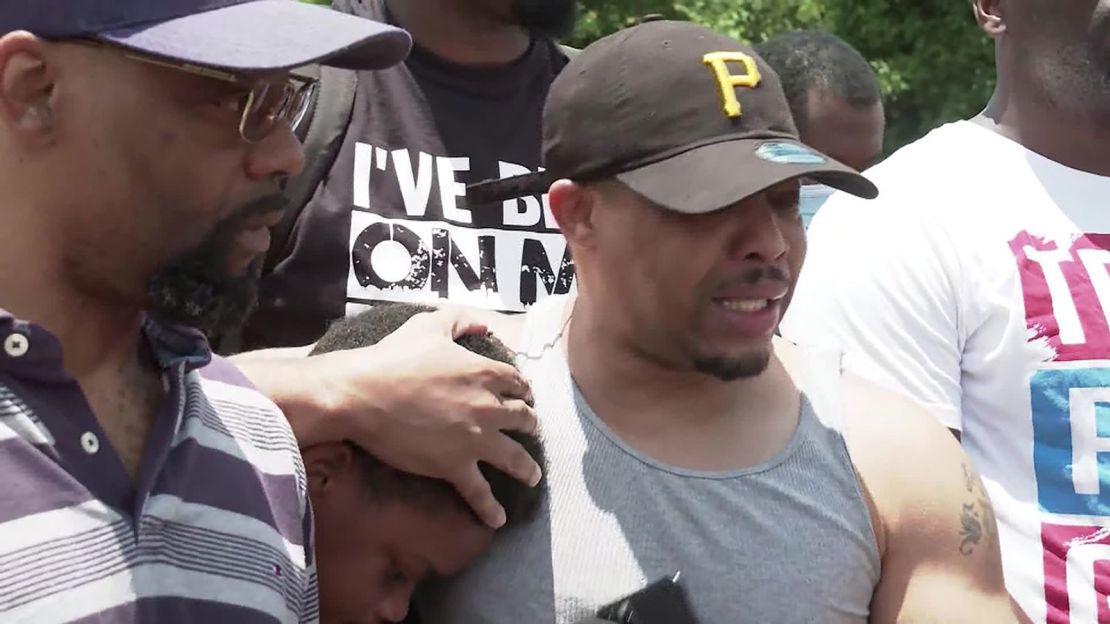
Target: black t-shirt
(390, 221)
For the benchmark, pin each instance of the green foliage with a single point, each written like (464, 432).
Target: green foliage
(933, 63)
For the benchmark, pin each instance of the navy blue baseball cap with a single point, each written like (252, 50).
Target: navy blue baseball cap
(237, 35)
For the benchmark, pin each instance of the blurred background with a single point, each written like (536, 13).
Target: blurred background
(933, 62)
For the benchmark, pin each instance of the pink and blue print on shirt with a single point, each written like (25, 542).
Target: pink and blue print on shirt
(1067, 301)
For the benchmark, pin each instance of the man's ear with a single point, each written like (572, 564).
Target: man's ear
(27, 79)
(989, 16)
(572, 205)
(327, 466)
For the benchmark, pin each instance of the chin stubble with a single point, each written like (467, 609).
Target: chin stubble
(194, 289)
(731, 369)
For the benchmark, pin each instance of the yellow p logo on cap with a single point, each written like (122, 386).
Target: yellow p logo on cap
(729, 82)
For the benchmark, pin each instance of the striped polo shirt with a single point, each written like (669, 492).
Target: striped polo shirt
(217, 528)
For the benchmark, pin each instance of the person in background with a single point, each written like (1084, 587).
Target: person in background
(381, 532)
(681, 435)
(835, 98)
(142, 146)
(389, 220)
(977, 285)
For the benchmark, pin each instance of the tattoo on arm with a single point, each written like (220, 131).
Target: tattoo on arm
(976, 516)
(971, 529)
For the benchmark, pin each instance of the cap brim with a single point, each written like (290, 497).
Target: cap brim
(713, 177)
(269, 35)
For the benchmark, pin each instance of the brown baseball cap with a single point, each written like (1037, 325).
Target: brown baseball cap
(692, 120)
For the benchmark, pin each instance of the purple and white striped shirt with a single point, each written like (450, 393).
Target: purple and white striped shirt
(217, 528)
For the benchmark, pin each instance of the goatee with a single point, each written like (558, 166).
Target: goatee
(195, 289)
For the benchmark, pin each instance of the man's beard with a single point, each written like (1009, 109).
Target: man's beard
(728, 368)
(551, 18)
(195, 289)
(731, 369)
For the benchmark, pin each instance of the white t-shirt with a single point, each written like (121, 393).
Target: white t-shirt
(978, 283)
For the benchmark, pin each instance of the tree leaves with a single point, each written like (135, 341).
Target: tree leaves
(933, 62)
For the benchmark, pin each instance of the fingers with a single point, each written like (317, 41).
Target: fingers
(508, 456)
(458, 322)
(475, 490)
(504, 380)
(468, 324)
(511, 415)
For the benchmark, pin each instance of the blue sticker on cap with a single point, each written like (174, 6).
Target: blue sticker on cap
(789, 154)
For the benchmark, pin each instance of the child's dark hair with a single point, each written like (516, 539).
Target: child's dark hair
(385, 483)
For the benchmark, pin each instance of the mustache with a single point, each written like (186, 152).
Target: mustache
(219, 238)
(261, 207)
(759, 274)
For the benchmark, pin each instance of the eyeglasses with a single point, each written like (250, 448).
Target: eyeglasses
(260, 111)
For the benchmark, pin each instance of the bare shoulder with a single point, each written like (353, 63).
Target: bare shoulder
(883, 424)
(934, 521)
(880, 425)
(911, 464)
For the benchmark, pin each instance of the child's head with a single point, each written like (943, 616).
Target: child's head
(380, 531)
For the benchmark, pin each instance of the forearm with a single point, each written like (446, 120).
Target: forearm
(266, 355)
(294, 382)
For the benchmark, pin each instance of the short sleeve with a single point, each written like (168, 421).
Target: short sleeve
(881, 283)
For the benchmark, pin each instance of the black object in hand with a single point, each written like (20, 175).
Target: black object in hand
(662, 602)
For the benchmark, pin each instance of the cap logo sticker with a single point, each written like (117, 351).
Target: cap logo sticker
(788, 154)
(729, 82)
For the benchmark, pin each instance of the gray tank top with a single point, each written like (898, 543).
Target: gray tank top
(787, 541)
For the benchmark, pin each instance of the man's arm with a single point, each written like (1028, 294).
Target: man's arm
(933, 519)
(269, 355)
(415, 400)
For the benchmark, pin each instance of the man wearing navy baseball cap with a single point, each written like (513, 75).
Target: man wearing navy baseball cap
(141, 146)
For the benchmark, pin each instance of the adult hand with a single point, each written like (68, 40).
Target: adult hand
(418, 402)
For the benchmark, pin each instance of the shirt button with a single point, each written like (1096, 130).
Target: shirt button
(90, 442)
(16, 345)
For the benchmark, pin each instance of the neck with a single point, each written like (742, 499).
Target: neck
(1061, 131)
(457, 32)
(632, 392)
(96, 335)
